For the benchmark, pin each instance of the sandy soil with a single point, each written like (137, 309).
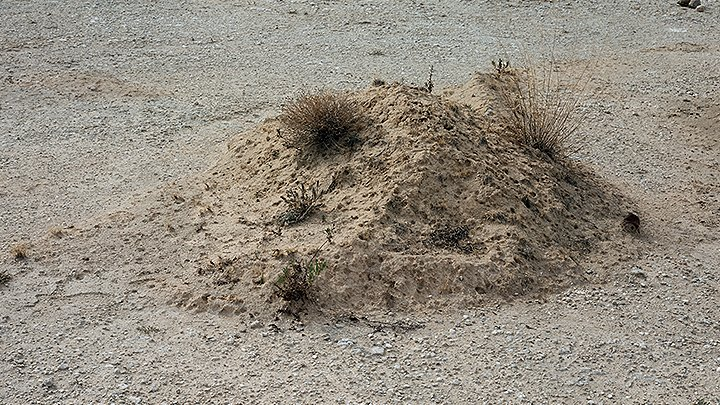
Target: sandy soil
(114, 116)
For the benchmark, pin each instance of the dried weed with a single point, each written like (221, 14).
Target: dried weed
(297, 279)
(321, 122)
(301, 202)
(544, 111)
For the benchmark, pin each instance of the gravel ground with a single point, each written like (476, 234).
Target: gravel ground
(103, 102)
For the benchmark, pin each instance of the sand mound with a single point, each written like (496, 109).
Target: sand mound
(435, 206)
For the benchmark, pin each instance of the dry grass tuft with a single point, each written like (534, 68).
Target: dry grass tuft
(544, 112)
(297, 278)
(20, 251)
(321, 122)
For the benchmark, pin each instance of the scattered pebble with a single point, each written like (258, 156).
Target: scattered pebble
(345, 342)
(377, 350)
(637, 272)
(49, 384)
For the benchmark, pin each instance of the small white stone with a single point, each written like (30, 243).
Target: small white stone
(345, 342)
(377, 350)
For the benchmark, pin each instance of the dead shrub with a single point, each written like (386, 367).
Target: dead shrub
(320, 122)
(544, 111)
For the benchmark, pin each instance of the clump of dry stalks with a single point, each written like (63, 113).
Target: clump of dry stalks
(544, 110)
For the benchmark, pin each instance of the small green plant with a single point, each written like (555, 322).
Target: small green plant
(301, 201)
(321, 122)
(297, 278)
(543, 113)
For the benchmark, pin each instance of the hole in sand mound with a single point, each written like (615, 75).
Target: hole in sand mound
(433, 205)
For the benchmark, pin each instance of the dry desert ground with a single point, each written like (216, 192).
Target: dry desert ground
(142, 178)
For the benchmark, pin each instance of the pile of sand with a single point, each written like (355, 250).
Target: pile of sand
(436, 205)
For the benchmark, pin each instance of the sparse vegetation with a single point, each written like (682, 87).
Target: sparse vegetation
(429, 85)
(501, 67)
(451, 237)
(20, 251)
(296, 280)
(148, 330)
(321, 122)
(544, 113)
(5, 277)
(301, 202)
